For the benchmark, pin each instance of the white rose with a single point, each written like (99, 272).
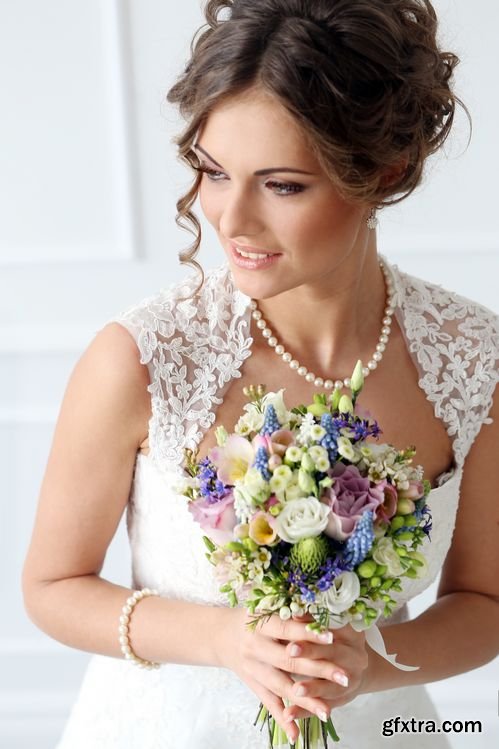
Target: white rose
(277, 400)
(385, 553)
(302, 518)
(342, 593)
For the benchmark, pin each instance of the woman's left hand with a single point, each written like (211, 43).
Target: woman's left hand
(347, 655)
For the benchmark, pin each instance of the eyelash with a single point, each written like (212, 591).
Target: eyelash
(290, 187)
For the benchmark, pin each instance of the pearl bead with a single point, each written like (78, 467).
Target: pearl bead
(390, 306)
(123, 632)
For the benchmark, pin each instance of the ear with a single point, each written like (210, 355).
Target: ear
(394, 172)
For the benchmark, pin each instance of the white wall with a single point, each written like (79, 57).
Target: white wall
(88, 183)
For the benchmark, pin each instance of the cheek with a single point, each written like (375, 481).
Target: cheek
(209, 205)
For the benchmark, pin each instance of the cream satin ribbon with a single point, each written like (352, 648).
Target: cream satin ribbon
(374, 639)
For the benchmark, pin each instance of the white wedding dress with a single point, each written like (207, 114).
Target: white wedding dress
(193, 350)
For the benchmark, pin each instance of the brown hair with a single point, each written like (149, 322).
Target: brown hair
(365, 80)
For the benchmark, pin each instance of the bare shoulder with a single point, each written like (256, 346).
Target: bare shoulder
(110, 377)
(90, 466)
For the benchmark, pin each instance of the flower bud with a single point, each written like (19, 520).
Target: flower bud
(357, 378)
(397, 522)
(305, 481)
(335, 398)
(274, 462)
(285, 613)
(345, 405)
(307, 463)
(221, 435)
(241, 530)
(405, 506)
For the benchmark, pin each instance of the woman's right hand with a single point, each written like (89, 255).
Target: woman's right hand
(261, 658)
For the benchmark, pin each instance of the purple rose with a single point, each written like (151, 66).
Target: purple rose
(217, 519)
(348, 498)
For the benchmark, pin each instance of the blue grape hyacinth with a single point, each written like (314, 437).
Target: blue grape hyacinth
(359, 544)
(271, 422)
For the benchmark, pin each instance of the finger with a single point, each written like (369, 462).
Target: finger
(275, 706)
(278, 682)
(315, 661)
(289, 629)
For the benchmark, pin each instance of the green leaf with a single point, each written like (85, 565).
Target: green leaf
(209, 543)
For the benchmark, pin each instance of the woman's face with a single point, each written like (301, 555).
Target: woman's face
(296, 215)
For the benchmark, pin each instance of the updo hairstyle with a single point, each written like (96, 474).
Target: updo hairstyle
(365, 80)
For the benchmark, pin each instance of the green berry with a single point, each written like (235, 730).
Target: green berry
(367, 568)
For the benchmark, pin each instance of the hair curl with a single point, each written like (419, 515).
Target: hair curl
(365, 80)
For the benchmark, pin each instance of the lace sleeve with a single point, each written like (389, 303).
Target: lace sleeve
(456, 344)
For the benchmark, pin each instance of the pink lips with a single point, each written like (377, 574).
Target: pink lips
(247, 248)
(253, 263)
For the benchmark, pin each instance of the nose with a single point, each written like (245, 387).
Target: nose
(239, 216)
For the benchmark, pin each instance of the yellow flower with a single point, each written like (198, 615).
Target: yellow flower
(260, 529)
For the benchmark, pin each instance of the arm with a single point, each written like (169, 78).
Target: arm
(84, 492)
(103, 418)
(460, 631)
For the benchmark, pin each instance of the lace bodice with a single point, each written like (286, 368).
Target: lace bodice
(193, 350)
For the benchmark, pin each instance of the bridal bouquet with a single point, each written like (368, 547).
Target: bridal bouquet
(304, 515)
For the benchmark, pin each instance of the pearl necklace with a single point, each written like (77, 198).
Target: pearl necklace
(310, 376)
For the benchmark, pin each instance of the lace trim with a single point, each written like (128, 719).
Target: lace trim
(456, 343)
(194, 349)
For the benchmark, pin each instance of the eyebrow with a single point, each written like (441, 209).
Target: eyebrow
(260, 172)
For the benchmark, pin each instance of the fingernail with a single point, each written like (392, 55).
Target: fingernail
(322, 715)
(300, 691)
(294, 650)
(326, 637)
(341, 679)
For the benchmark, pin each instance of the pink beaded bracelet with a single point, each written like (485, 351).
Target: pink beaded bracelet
(126, 611)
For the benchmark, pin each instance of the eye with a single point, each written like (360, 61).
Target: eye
(211, 173)
(288, 188)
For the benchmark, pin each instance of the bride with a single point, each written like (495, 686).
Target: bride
(304, 120)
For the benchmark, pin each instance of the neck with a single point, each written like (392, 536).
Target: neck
(327, 326)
